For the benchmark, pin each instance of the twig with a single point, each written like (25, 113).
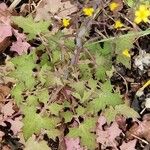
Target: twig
(85, 27)
(123, 80)
(79, 41)
(93, 59)
(14, 4)
(142, 111)
(53, 98)
(144, 141)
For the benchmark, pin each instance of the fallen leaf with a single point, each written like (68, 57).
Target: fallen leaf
(129, 145)
(4, 14)
(4, 44)
(140, 129)
(46, 9)
(7, 109)
(19, 36)
(20, 47)
(4, 91)
(16, 125)
(5, 31)
(5, 148)
(73, 144)
(1, 134)
(107, 137)
(3, 6)
(5, 27)
(101, 121)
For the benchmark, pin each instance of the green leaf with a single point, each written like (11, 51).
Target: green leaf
(95, 106)
(47, 77)
(101, 73)
(56, 56)
(31, 27)
(79, 87)
(33, 122)
(55, 108)
(43, 95)
(69, 44)
(66, 104)
(107, 49)
(92, 84)
(97, 49)
(110, 114)
(128, 35)
(127, 111)
(84, 98)
(76, 95)
(54, 41)
(32, 144)
(24, 65)
(101, 60)
(124, 60)
(32, 100)
(111, 99)
(106, 98)
(85, 71)
(43, 74)
(94, 48)
(124, 42)
(53, 133)
(67, 115)
(45, 60)
(16, 92)
(106, 87)
(84, 131)
(130, 3)
(80, 110)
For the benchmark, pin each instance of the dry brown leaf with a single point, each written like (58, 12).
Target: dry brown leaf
(7, 109)
(4, 91)
(107, 137)
(129, 145)
(16, 125)
(140, 129)
(48, 8)
(6, 148)
(4, 44)
(5, 24)
(4, 14)
(1, 134)
(72, 143)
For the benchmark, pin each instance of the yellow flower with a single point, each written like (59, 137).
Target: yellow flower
(142, 14)
(66, 22)
(118, 24)
(146, 84)
(113, 6)
(126, 53)
(88, 11)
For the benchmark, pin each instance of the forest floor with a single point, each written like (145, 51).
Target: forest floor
(75, 75)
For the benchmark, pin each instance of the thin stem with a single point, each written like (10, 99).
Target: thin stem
(144, 141)
(124, 81)
(14, 4)
(52, 99)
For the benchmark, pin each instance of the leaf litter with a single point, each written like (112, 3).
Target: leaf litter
(46, 103)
